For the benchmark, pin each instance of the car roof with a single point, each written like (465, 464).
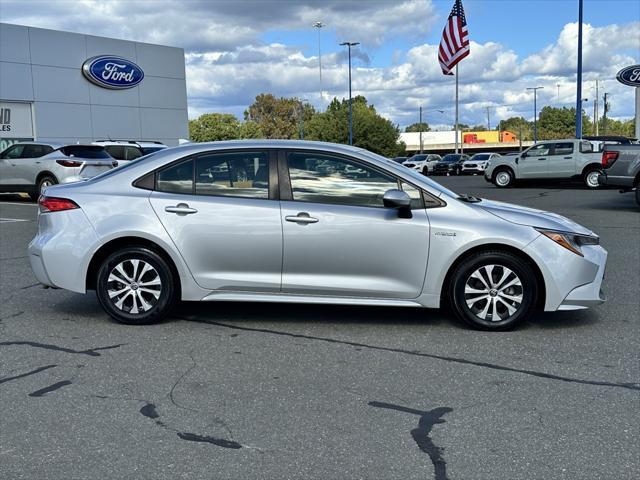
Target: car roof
(269, 143)
(55, 145)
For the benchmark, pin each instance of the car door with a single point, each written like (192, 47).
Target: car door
(23, 164)
(8, 162)
(339, 240)
(221, 211)
(533, 162)
(561, 163)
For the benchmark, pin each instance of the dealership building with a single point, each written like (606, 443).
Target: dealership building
(68, 87)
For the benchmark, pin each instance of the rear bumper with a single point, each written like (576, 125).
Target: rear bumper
(615, 181)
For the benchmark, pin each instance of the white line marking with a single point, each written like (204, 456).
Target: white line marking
(19, 203)
(13, 220)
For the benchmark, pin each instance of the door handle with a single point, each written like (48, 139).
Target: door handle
(568, 158)
(181, 208)
(541, 159)
(302, 217)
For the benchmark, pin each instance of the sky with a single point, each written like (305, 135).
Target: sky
(235, 50)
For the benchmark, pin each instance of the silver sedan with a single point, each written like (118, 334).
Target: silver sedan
(305, 222)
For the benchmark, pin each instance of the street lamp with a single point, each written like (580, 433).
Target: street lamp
(319, 25)
(420, 124)
(349, 45)
(535, 112)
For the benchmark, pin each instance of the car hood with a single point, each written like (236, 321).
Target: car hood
(532, 217)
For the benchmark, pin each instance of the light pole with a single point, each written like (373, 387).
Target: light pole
(579, 75)
(319, 25)
(535, 112)
(349, 45)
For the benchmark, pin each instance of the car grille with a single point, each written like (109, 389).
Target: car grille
(470, 165)
(409, 164)
(442, 168)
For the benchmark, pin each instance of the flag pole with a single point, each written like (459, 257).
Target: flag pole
(456, 124)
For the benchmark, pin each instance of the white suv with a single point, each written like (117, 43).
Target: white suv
(478, 163)
(129, 149)
(422, 162)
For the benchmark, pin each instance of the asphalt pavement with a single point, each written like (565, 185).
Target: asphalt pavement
(267, 391)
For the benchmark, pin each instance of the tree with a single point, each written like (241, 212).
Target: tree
(212, 127)
(418, 127)
(625, 128)
(555, 123)
(370, 130)
(278, 117)
(519, 126)
(478, 128)
(461, 126)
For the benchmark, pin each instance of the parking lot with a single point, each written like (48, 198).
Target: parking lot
(243, 391)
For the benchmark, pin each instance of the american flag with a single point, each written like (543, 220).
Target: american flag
(454, 45)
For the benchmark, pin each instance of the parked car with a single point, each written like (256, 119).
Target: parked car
(621, 168)
(22, 172)
(549, 160)
(422, 162)
(129, 149)
(478, 163)
(155, 230)
(451, 164)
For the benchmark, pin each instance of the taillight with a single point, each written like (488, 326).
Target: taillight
(69, 163)
(54, 204)
(608, 158)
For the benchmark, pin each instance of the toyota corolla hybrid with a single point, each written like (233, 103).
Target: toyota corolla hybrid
(305, 222)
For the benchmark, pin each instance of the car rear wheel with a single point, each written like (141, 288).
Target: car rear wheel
(136, 286)
(425, 170)
(493, 291)
(45, 182)
(503, 178)
(638, 193)
(591, 178)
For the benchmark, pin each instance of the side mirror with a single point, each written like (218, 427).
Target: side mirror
(399, 200)
(523, 154)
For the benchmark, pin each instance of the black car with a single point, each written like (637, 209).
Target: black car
(450, 164)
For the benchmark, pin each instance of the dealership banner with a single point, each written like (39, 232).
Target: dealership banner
(15, 120)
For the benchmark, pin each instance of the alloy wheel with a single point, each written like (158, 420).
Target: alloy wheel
(493, 293)
(592, 179)
(134, 286)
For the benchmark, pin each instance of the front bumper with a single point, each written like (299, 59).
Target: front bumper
(571, 282)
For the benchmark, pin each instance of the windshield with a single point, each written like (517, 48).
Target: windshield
(481, 156)
(452, 157)
(421, 179)
(85, 151)
(418, 158)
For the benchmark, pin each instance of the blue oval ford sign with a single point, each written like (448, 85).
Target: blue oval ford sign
(630, 76)
(108, 71)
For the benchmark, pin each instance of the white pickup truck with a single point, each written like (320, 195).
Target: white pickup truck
(552, 159)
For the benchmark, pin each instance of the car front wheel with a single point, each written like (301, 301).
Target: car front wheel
(493, 291)
(136, 286)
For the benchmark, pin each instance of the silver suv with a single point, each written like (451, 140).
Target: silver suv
(31, 166)
(129, 149)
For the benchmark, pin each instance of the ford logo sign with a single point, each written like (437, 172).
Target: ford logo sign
(630, 76)
(112, 72)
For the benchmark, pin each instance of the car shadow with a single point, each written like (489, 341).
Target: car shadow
(562, 320)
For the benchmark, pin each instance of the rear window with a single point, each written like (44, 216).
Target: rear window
(85, 151)
(452, 157)
(480, 156)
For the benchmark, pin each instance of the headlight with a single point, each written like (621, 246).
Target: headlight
(570, 241)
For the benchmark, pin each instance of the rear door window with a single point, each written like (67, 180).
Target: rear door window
(564, 148)
(177, 178)
(233, 174)
(132, 153)
(116, 151)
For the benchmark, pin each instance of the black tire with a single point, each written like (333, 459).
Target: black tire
(638, 194)
(425, 171)
(471, 314)
(590, 178)
(503, 178)
(44, 182)
(160, 306)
